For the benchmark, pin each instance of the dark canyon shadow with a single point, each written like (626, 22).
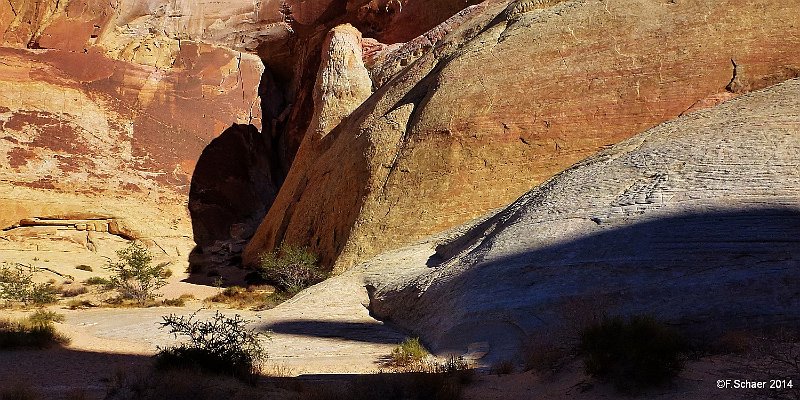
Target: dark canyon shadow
(233, 185)
(74, 374)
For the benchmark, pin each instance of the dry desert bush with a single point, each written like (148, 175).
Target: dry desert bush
(252, 297)
(220, 345)
(291, 269)
(634, 353)
(35, 331)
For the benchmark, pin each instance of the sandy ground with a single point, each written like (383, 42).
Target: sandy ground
(325, 331)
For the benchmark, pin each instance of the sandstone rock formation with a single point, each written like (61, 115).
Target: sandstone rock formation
(104, 100)
(695, 221)
(105, 112)
(502, 96)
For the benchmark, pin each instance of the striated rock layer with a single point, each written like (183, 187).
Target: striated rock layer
(696, 221)
(470, 115)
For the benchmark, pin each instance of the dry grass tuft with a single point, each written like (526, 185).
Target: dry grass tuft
(179, 301)
(36, 331)
(73, 291)
(503, 368)
(254, 298)
(408, 354)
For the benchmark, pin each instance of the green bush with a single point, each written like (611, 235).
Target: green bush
(16, 284)
(291, 269)
(634, 353)
(408, 353)
(96, 280)
(134, 277)
(221, 345)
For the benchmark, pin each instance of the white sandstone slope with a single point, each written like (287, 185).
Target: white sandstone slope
(696, 221)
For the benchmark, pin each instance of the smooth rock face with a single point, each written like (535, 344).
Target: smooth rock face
(82, 122)
(343, 83)
(500, 98)
(696, 221)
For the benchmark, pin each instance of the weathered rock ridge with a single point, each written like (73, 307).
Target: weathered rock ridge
(470, 115)
(108, 99)
(695, 221)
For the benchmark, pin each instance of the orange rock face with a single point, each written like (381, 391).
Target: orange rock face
(101, 116)
(510, 96)
(92, 120)
(104, 100)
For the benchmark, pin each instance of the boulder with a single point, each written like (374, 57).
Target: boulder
(503, 96)
(695, 222)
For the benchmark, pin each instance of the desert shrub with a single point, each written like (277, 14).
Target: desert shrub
(44, 317)
(634, 353)
(504, 367)
(75, 304)
(134, 277)
(35, 331)
(541, 354)
(291, 269)
(408, 353)
(179, 301)
(77, 394)
(166, 273)
(221, 345)
(242, 298)
(176, 384)
(775, 355)
(389, 386)
(732, 342)
(84, 267)
(96, 280)
(16, 284)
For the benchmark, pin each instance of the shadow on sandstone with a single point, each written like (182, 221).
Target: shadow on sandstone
(706, 272)
(353, 331)
(68, 374)
(52, 373)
